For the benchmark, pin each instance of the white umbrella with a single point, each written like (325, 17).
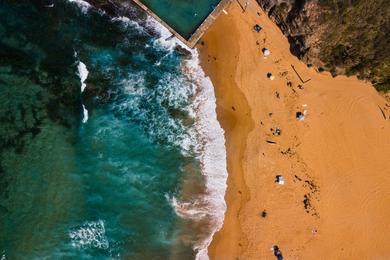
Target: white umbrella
(266, 52)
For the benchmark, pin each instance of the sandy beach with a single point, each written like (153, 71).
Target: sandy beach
(334, 203)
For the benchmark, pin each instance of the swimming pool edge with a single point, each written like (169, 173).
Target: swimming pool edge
(195, 37)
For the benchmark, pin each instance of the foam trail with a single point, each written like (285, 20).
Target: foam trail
(212, 152)
(83, 74)
(85, 114)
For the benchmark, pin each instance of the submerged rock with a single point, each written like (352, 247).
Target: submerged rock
(183, 51)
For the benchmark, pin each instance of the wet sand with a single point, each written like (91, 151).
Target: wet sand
(335, 200)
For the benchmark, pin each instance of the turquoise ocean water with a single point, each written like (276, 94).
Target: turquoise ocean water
(110, 148)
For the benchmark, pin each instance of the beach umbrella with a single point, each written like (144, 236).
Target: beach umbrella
(257, 28)
(270, 76)
(266, 52)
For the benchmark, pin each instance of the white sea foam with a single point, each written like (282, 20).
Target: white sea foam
(191, 210)
(122, 19)
(133, 84)
(210, 138)
(91, 234)
(83, 74)
(85, 114)
(164, 35)
(213, 157)
(83, 5)
(127, 22)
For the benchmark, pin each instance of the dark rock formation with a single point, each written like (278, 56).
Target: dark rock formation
(342, 36)
(183, 51)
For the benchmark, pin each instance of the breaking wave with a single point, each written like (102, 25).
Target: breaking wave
(90, 234)
(192, 94)
(210, 145)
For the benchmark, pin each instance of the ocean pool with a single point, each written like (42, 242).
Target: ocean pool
(184, 16)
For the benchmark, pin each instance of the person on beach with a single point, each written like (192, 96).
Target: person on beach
(277, 252)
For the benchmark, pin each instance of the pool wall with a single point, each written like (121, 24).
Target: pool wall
(194, 38)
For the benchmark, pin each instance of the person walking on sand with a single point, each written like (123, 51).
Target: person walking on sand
(277, 252)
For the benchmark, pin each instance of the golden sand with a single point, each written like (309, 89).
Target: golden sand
(337, 160)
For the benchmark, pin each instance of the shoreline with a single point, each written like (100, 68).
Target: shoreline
(232, 110)
(207, 210)
(340, 147)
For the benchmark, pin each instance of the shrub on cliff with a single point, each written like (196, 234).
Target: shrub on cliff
(358, 39)
(343, 36)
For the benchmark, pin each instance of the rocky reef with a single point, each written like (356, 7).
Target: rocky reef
(348, 37)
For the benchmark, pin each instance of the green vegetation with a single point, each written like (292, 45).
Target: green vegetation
(357, 39)
(349, 37)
